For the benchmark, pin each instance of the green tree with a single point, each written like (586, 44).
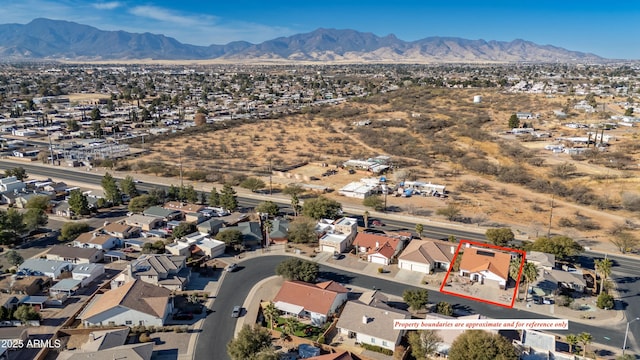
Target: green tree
(572, 341)
(321, 208)
(293, 189)
(71, 230)
(271, 314)
(268, 207)
(605, 301)
(228, 198)
(173, 192)
(26, 313)
(183, 229)
(444, 308)
(585, 338)
(34, 218)
(451, 212)
(424, 343)
(249, 343)
(14, 258)
(38, 202)
(140, 203)
(96, 127)
(188, 194)
(628, 111)
(419, 229)
(514, 122)
(500, 236)
(72, 125)
(375, 202)
(479, 345)
(78, 202)
(302, 231)
(624, 241)
(95, 114)
(111, 190)
(253, 184)
(128, 186)
(214, 198)
(603, 268)
(19, 172)
(298, 269)
(295, 205)
(561, 246)
(416, 299)
(11, 226)
(233, 237)
(289, 326)
(154, 248)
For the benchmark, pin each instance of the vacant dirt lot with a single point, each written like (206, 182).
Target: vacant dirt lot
(433, 136)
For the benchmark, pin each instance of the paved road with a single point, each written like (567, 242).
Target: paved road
(626, 272)
(219, 326)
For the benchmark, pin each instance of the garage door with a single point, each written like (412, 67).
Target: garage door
(419, 268)
(377, 260)
(328, 248)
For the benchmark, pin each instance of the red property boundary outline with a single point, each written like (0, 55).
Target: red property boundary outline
(480, 244)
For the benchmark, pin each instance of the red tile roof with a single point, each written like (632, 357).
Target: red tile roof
(374, 242)
(477, 260)
(311, 297)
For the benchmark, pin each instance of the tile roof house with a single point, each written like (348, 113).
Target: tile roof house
(424, 256)
(134, 303)
(24, 285)
(108, 345)
(377, 248)
(371, 325)
(340, 355)
(74, 254)
(314, 301)
(210, 226)
(482, 264)
(168, 271)
(97, 240)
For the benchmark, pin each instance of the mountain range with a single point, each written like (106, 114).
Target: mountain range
(45, 39)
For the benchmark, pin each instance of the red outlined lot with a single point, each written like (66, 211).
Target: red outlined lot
(493, 247)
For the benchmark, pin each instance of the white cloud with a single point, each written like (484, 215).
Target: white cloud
(165, 15)
(107, 5)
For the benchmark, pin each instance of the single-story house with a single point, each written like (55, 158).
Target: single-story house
(183, 207)
(251, 233)
(194, 217)
(371, 325)
(24, 285)
(97, 240)
(314, 301)
(44, 267)
(210, 226)
(133, 303)
(377, 248)
(122, 231)
(425, 256)
(482, 265)
(162, 213)
(11, 184)
(62, 209)
(108, 344)
(146, 223)
(541, 259)
(75, 255)
(87, 273)
(549, 281)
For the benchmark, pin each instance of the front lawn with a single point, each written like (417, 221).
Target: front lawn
(301, 330)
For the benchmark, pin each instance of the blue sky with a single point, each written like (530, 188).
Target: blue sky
(606, 28)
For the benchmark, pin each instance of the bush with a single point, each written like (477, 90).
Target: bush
(605, 301)
(377, 349)
(380, 270)
(564, 300)
(321, 339)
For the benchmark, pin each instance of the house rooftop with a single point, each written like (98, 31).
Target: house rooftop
(379, 322)
(317, 298)
(135, 295)
(477, 260)
(429, 251)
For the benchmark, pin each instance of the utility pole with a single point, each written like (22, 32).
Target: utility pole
(181, 170)
(270, 178)
(550, 217)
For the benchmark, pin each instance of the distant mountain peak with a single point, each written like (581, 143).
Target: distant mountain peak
(44, 38)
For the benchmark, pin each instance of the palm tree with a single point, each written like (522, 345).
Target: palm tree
(268, 227)
(585, 338)
(514, 270)
(271, 312)
(572, 340)
(419, 229)
(604, 268)
(530, 274)
(365, 217)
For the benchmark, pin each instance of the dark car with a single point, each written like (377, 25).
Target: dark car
(337, 256)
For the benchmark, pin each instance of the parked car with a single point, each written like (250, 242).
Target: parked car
(377, 223)
(236, 311)
(337, 256)
(231, 267)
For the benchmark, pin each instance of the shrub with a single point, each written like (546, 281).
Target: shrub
(321, 339)
(144, 338)
(605, 301)
(564, 300)
(377, 349)
(380, 270)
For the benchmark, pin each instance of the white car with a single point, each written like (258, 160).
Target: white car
(231, 267)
